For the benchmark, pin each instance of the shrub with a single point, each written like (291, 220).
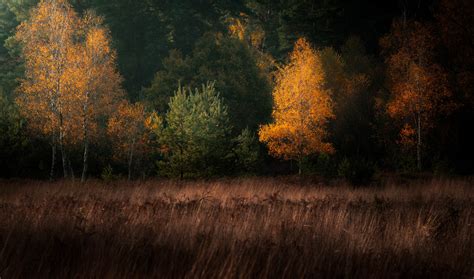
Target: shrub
(108, 175)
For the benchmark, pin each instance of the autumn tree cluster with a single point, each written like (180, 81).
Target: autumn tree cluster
(71, 84)
(208, 88)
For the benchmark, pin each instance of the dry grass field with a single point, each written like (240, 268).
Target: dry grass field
(236, 228)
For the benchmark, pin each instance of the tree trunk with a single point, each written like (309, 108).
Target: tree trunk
(181, 167)
(61, 146)
(84, 162)
(86, 140)
(130, 160)
(63, 155)
(53, 161)
(418, 145)
(64, 160)
(300, 164)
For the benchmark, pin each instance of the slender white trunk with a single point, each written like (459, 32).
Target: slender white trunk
(84, 162)
(61, 147)
(53, 160)
(86, 140)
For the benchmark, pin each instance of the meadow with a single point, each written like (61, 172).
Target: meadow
(237, 228)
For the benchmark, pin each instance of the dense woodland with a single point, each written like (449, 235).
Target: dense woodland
(100, 88)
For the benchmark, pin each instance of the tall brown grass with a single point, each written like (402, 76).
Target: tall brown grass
(238, 228)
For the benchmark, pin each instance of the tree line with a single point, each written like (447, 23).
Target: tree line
(233, 88)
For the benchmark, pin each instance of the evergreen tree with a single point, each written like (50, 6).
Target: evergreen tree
(195, 137)
(12, 12)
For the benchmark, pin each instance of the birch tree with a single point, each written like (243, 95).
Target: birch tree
(47, 43)
(418, 85)
(302, 107)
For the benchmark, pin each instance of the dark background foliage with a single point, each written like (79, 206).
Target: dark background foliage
(162, 44)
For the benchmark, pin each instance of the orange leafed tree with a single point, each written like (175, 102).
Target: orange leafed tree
(99, 83)
(71, 81)
(130, 128)
(48, 44)
(419, 86)
(301, 110)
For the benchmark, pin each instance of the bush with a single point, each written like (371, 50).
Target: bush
(108, 175)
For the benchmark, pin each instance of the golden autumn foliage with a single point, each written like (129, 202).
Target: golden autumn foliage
(102, 82)
(244, 29)
(47, 46)
(101, 86)
(70, 79)
(301, 108)
(130, 128)
(45, 96)
(419, 86)
(97, 83)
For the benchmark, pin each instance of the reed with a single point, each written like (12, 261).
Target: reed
(236, 228)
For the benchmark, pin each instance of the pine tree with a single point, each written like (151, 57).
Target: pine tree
(194, 139)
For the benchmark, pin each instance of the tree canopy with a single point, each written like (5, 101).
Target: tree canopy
(244, 88)
(373, 86)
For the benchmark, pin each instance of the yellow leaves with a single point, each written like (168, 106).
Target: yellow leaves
(70, 71)
(301, 107)
(47, 43)
(129, 127)
(97, 43)
(237, 28)
(245, 30)
(125, 123)
(290, 142)
(153, 122)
